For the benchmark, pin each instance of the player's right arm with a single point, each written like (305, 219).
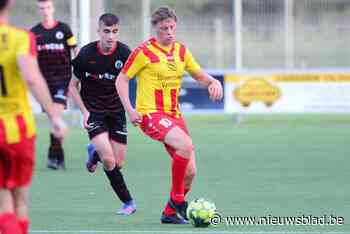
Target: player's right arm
(74, 86)
(122, 86)
(71, 40)
(30, 72)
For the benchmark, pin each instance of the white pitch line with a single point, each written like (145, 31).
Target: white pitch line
(183, 232)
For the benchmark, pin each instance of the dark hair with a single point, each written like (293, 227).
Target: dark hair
(44, 0)
(3, 3)
(109, 19)
(161, 14)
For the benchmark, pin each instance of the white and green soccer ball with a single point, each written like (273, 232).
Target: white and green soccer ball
(200, 212)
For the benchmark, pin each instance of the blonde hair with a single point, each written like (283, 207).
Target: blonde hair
(161, 14)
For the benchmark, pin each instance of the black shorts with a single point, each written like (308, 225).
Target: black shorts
(59, 93)
(112, 122)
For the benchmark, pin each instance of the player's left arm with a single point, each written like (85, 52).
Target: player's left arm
(214, 86)
(71, 40)
(76, 51)
(202, 77)
(75, 82)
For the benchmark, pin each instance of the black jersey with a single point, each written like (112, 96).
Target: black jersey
(54, 52)
(97, 73)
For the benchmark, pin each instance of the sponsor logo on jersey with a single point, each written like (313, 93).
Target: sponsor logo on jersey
(59, 35)
(4, 42)
(51, 46)
(106, 76)
(118, 64)
(8, 107)
(172, 65)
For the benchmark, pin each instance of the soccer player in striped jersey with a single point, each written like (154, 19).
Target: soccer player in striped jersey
(160, 63)
(55, 41)
(18, 71)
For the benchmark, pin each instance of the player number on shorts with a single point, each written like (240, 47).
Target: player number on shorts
(2, 82)
(165, 122)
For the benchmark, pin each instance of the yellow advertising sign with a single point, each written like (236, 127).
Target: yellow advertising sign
(257, 90)
(287, 92)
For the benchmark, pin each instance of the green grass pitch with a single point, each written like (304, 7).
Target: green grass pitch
(278, 165)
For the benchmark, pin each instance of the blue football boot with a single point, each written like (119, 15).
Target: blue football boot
(180, 208)
(172, 219)
(128, 208)
(92, 159)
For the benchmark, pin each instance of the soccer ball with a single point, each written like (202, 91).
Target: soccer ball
(200, 211)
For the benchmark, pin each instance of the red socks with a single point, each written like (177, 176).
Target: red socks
(178, 186)
(24, 225)
(168, 211)
(178, 175)
(9, 224)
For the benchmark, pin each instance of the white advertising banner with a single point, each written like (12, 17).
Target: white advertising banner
(288, 93)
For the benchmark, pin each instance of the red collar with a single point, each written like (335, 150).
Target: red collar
(106, 53)
(169, 54)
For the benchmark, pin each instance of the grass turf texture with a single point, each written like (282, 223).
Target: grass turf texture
(278, 165)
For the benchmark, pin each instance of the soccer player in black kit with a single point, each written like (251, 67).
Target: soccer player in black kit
(96, 68)
(54, 44)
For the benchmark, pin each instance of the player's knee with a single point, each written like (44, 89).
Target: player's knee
(120, 163)
(21, 204)
(6, 204)
(21, 201)
(109, 163)
(120, 158)
(187, 148)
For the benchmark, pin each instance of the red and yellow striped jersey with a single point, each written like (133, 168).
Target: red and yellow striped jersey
(160, 72)
(16, 118)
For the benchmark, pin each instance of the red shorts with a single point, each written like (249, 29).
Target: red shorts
(17, 163)
(157, 125)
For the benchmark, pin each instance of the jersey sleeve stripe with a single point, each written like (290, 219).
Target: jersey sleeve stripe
(32, 48)
(130, 60)
(159, 100)
(152, 56)
(182, 53)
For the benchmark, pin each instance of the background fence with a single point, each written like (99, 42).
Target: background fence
(238, 36)
(293, 34)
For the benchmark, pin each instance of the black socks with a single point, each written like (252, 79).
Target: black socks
(118, 184)
(55, 149)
